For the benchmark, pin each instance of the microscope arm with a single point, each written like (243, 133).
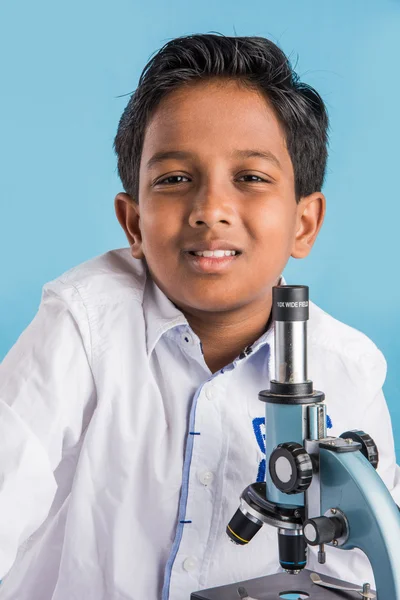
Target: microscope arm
(350, 483)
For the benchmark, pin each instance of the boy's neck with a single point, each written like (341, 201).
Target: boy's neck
(222, 342)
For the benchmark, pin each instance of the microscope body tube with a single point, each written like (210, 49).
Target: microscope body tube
(283, 423)
(287, 420)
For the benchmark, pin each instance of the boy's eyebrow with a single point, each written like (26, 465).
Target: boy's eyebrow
(160, 156)
(164, 155)
(265, 154)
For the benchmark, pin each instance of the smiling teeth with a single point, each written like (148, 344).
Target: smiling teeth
(216, 253)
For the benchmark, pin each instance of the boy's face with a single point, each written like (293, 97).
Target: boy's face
(212, 192)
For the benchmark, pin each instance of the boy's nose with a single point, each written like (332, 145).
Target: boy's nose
(211, 205)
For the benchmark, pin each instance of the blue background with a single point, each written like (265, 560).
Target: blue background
(64, 66)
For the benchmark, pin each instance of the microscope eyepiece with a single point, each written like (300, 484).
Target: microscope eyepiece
(290, 303)
(290, 316)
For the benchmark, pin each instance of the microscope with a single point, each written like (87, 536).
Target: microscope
(319, 490)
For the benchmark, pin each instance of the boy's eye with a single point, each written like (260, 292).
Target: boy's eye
(172, 179)
(253, 178)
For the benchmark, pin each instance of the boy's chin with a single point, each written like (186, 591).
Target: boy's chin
(214, 304)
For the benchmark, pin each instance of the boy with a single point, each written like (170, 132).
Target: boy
(130, 419)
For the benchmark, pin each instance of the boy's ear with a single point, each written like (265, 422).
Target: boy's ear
(310, 216)
(128, 215)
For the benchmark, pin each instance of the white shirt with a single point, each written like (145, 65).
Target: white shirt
(123, 457)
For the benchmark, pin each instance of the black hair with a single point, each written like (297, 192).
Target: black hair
(254, 61)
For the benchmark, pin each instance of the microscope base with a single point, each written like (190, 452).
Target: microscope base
(271, 586)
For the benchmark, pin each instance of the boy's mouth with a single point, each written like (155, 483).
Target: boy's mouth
(216, 263)
(214, 253)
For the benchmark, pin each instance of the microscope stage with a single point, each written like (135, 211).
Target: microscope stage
(274, 587)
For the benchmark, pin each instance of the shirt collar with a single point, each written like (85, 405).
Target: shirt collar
(161, 314)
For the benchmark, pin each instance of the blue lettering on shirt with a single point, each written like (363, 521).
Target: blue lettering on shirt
(259, 432)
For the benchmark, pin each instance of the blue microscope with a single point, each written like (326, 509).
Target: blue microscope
(319, 490)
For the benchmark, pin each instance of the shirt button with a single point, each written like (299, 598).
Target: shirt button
(187, 339)
(210, 393)
(190, 563)
(206, 477)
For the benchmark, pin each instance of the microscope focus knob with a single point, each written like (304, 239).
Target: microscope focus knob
(290, 468)
(322, 530)
(368, 447)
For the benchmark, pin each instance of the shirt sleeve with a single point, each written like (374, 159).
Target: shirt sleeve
(46, 394)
